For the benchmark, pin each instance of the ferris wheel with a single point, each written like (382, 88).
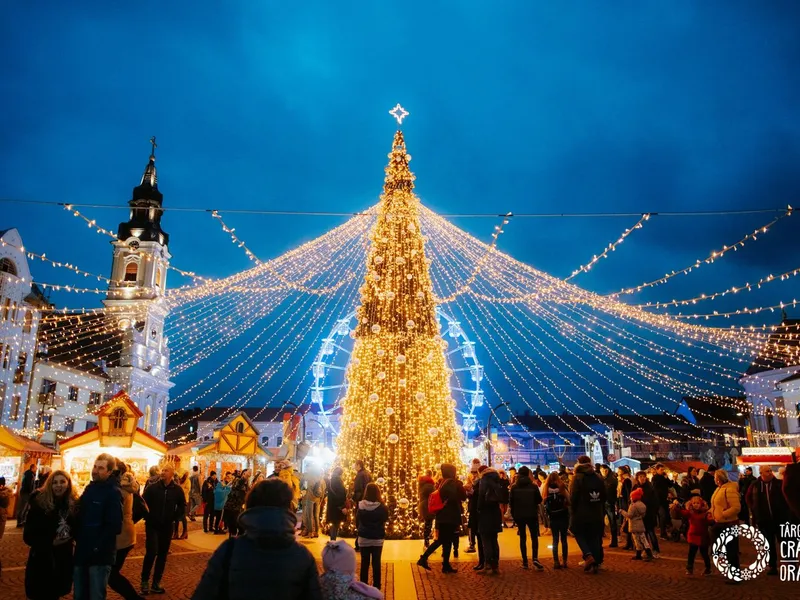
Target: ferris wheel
(330, 383)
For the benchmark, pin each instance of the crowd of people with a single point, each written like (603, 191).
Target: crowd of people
(80, 544)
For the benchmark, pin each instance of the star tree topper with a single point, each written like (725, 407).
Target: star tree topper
(399, 113)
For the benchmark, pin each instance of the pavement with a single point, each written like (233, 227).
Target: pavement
(621, 578)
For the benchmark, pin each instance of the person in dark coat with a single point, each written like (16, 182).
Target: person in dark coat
(337, 500)
(207, 493)
(769, 510)
(166, 502)
(448, 519)
(524, 501)
(744, 483)
(472, 518)
(611, 483)
(490, 517)
(661, 485)
(49, 531)
(235, 502)
(99, 521)
(651, 504)
(587, 504)
(265, 556)
(690, 482)
(26, 488)
(791, 488)
(707, 484)
(624, 489)
(371, 525)
(426, 485)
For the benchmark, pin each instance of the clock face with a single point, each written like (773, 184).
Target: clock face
(133, 245)
(154, 333)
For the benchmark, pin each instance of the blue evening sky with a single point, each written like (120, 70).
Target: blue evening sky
(515, 106)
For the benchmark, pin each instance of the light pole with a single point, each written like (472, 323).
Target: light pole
(489, 429)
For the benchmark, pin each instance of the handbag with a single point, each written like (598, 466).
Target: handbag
(140, 508)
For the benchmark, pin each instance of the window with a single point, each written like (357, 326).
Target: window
(48, 387)
(158, 277)
(89, 425)
(118, 419)
(240, 427)
(132, 271)
(7, 266)
(45, 421)
(19, 374)
(147, 414)
(13, 313)
(280, 441)
(69, 425)
(2, 400)
(158, 423)
(6, 356)
(6, 308)
(265, 440)
(16, 400)
(73, 394)
(28, 322)
(95, 398)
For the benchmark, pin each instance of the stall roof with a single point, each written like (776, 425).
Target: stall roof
(16, 442)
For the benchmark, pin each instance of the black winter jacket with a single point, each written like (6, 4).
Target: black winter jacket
(166, 503)
(372, 517)
(337, 497)
(767, 503)
(453, 494)
(208, 493)
(268, 545)
(624, 497)
(48, 572)
(707, 487)
(611, 483)
(360, 484)
(661, 485)
(491, 496)
(650, 503)
(99, 521)
(587, 497)
(524, 500)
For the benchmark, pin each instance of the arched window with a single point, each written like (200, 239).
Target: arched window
(240, 427)
(118, 419)
(27, 322)
(158, 277)
(147, 414)
(132, 271)
(158, 423)
(7, 266)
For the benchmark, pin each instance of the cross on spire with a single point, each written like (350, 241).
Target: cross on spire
(154, 146)
(399, 113)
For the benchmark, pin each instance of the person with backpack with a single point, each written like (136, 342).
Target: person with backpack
(524, 502)
(444, 504)
(492, 494)
(556, 503)
(237, 569)
(587, 501)
(426, 486)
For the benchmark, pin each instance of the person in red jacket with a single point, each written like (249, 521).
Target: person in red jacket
(697, 536)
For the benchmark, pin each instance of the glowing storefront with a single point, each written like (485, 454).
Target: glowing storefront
(117, 433)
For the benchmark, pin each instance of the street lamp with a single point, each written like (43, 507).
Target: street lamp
(489, 429)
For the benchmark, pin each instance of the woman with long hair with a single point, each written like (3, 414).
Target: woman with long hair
(126, 539)
(556, 503)
(337, 503)
(49, 531)
(371, 522)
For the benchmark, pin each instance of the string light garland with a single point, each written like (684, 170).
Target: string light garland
(610, 248)
(712, 257)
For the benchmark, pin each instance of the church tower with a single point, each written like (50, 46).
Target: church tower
(135, 303)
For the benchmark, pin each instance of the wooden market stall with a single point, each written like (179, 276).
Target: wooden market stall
(234, 446)
(116, 433)
(17, 454)
(759, 456)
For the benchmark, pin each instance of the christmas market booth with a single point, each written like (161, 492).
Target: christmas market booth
(760, 456)
(234, 446)
(116, 433)
(17, 454)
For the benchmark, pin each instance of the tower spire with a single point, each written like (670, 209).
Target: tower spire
(150, 178)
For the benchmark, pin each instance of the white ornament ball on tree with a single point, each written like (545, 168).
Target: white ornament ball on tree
(410, 324)
(433, 432)
(402, 382)
(401, 359)
(375, 328)
(403, 503)
(380, 480)
(400, 260)
(420, 396)
(380, 352)
(393, 438)
(389, 411)
(390, 295)
(381, 375)
(378, 260)
(373, 397)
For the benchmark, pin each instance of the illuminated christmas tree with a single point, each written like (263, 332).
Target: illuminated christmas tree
(398, 416)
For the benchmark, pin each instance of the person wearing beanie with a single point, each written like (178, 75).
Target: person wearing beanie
(338, 582)
(707, 484)
(635, 516)
(587, 523)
